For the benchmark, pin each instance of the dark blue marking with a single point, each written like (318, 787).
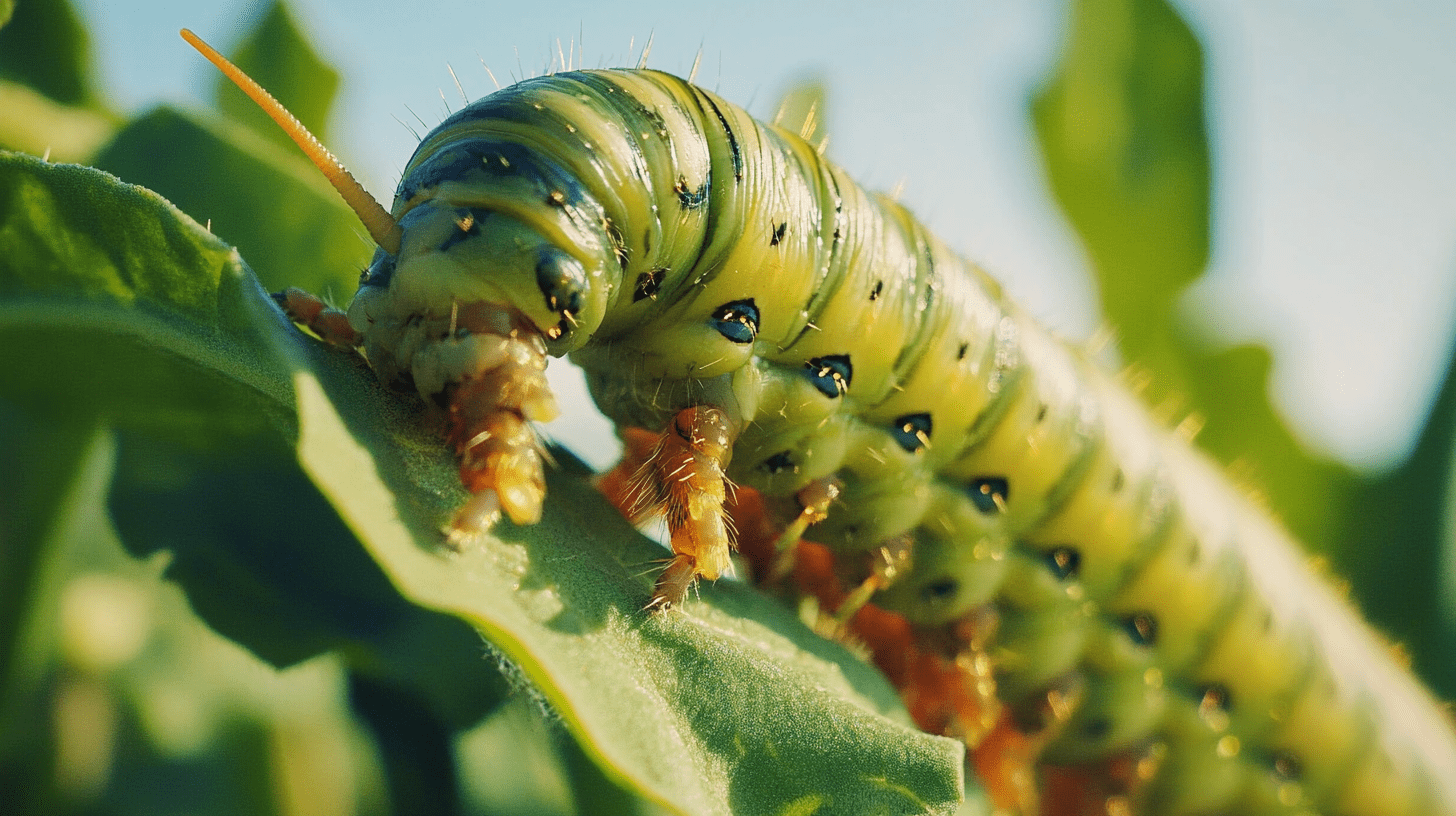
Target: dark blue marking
(912, 431)
(469, 222)
(622, 104)
(737, 321)
(688, 198)
(990, 494)
(778, 234)
(462, 160)
(563, 327)
(940, 591)
(659, 124)
(831, 374)
(733, 147)
(380, 271)
(1097, 728)
(619, 243)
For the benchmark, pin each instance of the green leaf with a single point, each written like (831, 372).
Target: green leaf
(759, 712)
(43, 45)
(266, 200)
(145, 320)
(281, 59)
(39, 460)
(1406, 521)
(114, 309)
(38, 125)
(46, 90)
(1121, 127)
(48, 476)
(123, 699)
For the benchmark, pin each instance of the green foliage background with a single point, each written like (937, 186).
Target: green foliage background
(221, 588)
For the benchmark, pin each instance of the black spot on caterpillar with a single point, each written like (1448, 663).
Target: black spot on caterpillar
(648, 283)
(778, 233)
(1142, 540)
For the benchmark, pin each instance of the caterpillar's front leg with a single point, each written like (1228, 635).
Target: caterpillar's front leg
(488, 369)
(683, 479)
(307, 309)
(485, 364)
(814, 500)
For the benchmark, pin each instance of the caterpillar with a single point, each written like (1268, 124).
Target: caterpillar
(772, 324)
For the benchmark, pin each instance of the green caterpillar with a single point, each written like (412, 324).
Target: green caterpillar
(792, 332)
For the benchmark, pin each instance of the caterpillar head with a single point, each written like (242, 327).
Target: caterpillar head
(451, 256)
(484, 221)
(472, 224)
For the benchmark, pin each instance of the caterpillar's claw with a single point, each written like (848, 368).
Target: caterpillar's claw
(814, 500)
(474, 518)
(674, 582)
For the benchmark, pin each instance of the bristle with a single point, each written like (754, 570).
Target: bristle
(376, 219)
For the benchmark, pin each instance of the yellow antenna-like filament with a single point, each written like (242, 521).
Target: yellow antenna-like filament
(376, 219)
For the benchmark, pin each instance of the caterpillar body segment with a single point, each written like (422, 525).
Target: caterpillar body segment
(1051, 570)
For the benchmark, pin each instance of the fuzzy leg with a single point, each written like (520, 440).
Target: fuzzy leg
(493, 370)
(619, 484)
(683, 479)
(885, 565)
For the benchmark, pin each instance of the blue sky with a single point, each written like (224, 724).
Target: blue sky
(1333, 121)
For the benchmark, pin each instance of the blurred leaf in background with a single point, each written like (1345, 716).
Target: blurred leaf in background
(46, 88)
(250, 185)
(278, 55)
(43, 45)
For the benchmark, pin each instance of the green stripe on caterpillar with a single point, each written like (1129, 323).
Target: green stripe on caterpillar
(715, 277)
